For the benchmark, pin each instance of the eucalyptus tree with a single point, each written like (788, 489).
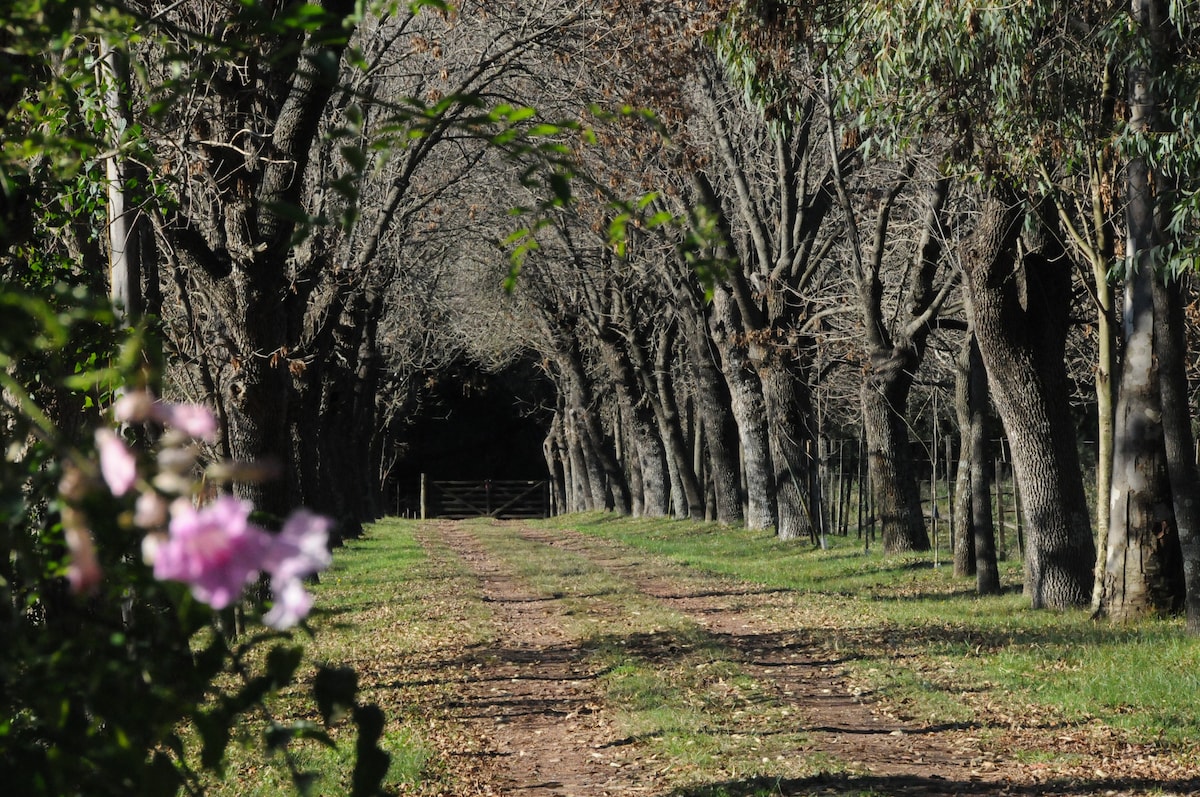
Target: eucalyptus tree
(1144, 570)
(975, 546)
(993, 80)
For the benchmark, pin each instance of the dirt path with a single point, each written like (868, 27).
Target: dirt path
(532, 699)
(532, 702)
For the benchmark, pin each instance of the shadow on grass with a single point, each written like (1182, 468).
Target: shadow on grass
(826, 784)
(935, 596)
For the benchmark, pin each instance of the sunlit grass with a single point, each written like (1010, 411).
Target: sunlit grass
(389, 603)
(920, 636)
(669, 685)
(399, 601)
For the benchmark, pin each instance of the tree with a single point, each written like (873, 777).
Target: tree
(975, 548)
(895, 351)
(1143, 573)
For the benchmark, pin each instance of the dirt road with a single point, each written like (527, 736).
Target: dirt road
(533, 705)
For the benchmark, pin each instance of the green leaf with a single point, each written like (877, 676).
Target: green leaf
(544, 129)
(659, 219)
(355, 157)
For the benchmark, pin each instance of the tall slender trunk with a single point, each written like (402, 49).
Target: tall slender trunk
(642, 426)
(1143, 568)
(557, 464)
(667, 410)
(987, 572)
(1142, 574)
(1170, 348)
(714, 406)
(964, 541)
(884, 400)
(750, 413)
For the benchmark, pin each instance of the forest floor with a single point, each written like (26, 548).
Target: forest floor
(528, 709)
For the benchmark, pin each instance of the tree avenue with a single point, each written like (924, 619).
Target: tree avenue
(775, 263)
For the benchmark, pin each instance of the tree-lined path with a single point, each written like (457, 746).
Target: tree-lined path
(586, 636)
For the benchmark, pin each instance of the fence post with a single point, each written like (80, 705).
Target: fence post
(422, 496)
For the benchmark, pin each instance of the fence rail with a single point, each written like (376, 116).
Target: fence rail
(497, 498)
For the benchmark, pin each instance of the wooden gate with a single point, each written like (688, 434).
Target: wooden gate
(497, 498)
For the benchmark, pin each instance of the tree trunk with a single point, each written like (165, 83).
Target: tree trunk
(714, 406)
(987, 573)
(1170, 350)
(671, 428)
(750, 412)
(884, 398)
(964, 542)
(791, 441)
(1143, 572)
(642, 426)
(1022, 344)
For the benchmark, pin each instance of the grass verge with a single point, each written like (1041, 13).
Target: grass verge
(394, 606)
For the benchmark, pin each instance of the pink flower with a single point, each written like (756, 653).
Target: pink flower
(215, 549)
(83, 571)
(117, 463)
(134, 407)
(150, 511)
(300, 549)
(194, 420)
(292, 603)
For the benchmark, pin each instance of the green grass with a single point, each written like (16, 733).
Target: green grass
(399, 601)
(920, 636)
(389, 602)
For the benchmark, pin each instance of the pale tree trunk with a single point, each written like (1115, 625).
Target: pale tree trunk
(558, 467)
(894, 355)
(884, 397)
(583, 497)
(691, 491)
(629, 457)
(750, 413)
(648, 483)
(964, 542)
(1106, 369)
(1143, 571)
(1143, 547)
(1022, 344)
(607, 480)
(713, 404)
(791, 441)
(124, 274)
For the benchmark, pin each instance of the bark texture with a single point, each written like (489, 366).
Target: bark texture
(1019, 313)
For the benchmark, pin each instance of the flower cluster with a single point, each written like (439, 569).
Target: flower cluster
(213, 548)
